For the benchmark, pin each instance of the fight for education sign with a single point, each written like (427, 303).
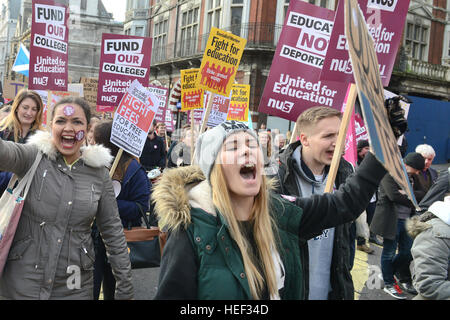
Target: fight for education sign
(133, 118)
(191, 94)
(220, 61)
(49, 46)
(293, 84)
(239, 103)
(123, 59)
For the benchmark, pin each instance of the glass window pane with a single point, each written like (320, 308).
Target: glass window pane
(417, 33)
(190, 17)
(238, 1)
(236, 16)
(218, 3)
(424, 35)
(183, 20)
(209, 22)
(196, 15)
(217, 19)
(210, 4)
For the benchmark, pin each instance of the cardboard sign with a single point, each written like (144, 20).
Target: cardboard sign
(163, 114)
(219, 109)
(370, 89)
(12, 87)
(293, 85)
(385, 20)
(123, 59)
(220, 61)
(49, 46)
(191, 93)
(198, 116)
(133, 118)
(239, 103)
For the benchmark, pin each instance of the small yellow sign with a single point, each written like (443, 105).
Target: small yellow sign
(220, 61)
(239, 103)
(191, 93)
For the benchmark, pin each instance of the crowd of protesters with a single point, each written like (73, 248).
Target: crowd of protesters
(251, 199)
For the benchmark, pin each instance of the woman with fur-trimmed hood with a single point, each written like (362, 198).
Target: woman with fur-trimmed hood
(52, 253)
(431, 251)
(229, 236)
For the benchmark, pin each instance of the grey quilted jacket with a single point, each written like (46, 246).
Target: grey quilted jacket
(52, 254)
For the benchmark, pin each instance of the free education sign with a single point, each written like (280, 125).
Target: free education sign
(49, 49)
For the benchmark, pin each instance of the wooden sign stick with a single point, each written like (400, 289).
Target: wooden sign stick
(116, 162)
(192, 136)
(294, 134)
(207, 113)
(340, 143)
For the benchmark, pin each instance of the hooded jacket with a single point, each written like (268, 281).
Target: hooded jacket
(431, 254)
(340, 276)
(202, 261)
(52, 253)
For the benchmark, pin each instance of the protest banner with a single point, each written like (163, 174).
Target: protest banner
(219, 109)
(239, 103)
(163, 114)
(53, 97)
(385, 20)
(192, 96)
(123, 59)
(133, 118)
(198, 116)
(383, 143)
(220, 61)
(293, 83)
(12, 87)
(49, 46)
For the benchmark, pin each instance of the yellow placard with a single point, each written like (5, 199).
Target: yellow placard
(191, 94)
(220, 61)
(239, 103)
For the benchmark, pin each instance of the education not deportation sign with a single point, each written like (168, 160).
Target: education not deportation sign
(371, 95)
(49, 47)
(293, 84)
(385, 20)
(133, 118)
(220, 61)
(123, 59)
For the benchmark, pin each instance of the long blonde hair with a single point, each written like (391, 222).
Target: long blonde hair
(263, 229)
(12, 123)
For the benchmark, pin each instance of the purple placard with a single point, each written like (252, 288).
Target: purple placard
(385, 23)
(49, 48)
(293, 84)
(163, 114)
(123, 59)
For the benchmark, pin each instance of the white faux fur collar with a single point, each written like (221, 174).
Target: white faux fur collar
(96, 156)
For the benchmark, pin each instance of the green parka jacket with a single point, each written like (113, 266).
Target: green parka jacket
(202, 261)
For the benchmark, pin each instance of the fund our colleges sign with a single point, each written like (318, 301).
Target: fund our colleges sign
(49, 46)
(123, 59)
(293, 84)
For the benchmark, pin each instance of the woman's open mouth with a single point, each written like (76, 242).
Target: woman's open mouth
(248, 171)
(68, 141)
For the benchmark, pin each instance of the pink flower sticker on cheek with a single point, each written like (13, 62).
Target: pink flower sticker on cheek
(80, 135)
(69, 110)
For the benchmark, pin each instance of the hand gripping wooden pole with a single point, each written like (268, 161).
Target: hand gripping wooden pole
(340, 143)
(116, 162)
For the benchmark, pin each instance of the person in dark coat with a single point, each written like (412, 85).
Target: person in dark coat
(428, 175)
(132, 201)
(392, 210)
(154, 152)
(438, 191)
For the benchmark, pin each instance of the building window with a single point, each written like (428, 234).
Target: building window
(160, 31)
(139, 31)
(83, 4)
(416, 40)
(189, 31)
(237, 8)
(214, 13)
(321, 3)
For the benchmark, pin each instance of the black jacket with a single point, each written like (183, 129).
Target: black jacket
(154, 154)
(341, 279)
(437, 190)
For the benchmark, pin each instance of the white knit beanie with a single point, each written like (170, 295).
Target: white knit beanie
(209, 143)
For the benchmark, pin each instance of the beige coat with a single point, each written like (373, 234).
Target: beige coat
(52, 254)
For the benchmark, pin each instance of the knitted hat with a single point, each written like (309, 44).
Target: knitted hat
(362, 144)
(209, 143)
(415, 160)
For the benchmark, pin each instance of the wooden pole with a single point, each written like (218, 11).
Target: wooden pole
(207, 113)
(192, 136)
(294, 134)
(116, 162)
(340, 143)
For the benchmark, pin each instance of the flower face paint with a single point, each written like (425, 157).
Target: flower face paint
(80, 135)
(68, 110)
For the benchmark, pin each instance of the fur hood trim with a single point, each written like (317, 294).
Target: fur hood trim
(415, 225)
(96, 156)
(178, 191)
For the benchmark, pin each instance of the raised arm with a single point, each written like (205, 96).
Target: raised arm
(16, 158)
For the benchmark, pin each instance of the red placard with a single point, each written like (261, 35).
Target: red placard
(123, 59)
(49, 46)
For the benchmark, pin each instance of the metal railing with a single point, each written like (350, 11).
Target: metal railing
(258, 35)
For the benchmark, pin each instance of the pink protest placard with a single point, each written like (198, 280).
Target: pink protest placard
(293, 84)
(123, 59)
(49, 46)
(385, 20)
(163, 114)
